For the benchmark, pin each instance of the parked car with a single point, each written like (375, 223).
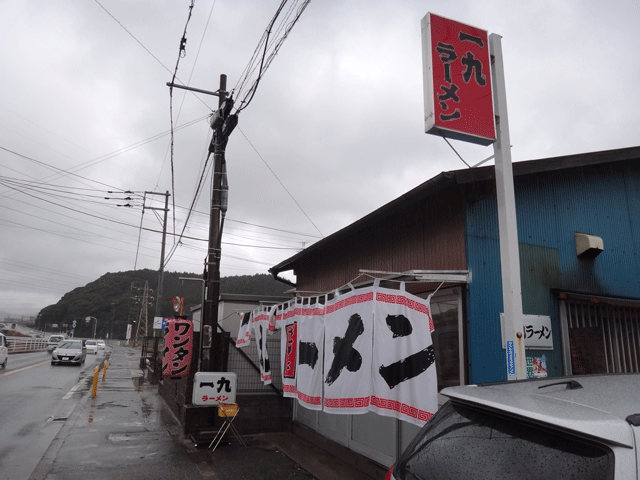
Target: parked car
(571, 428)
(101, 344)
(4, 351)
(53, 341)
(92, 346)
(70, 351)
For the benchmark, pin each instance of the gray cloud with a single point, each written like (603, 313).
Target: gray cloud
(337, 120)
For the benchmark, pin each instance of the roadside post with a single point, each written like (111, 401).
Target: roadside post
(94, 387)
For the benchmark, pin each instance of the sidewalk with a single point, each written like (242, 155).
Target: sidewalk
(127, 431)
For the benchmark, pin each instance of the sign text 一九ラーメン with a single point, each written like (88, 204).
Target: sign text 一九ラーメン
(457, 81)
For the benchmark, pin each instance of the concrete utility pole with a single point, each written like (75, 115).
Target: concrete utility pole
(164, 241)
(222, 124)
(214, 253)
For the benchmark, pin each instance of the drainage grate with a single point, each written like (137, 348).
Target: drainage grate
(58, 419)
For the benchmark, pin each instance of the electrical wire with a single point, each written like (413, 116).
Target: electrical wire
(280, 181)
(181, 54)
(265, 39)
(193, 202)
(265, 60)
(59, 172)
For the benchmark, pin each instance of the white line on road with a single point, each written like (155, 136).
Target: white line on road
(22, 369)
(73, 390)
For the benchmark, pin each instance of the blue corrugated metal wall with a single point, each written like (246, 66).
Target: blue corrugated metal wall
(603, 200)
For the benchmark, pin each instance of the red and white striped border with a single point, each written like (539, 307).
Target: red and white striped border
(403, 408)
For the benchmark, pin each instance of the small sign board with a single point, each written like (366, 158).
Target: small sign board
(536, 330)
(511, 361)
(159, 323)
(458, 100)
(214, 388)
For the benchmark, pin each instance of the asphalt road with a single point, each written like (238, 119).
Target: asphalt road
(35, 397)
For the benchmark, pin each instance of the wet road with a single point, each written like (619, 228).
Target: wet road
(52, 429)
(35, 398)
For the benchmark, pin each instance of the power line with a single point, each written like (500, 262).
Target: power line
(132, 36)
(280, 181)
(62, 172)
(265, 60)
(182, 52)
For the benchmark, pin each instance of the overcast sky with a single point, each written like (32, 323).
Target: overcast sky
(334, 131)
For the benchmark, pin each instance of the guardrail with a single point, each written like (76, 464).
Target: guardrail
(26, 344)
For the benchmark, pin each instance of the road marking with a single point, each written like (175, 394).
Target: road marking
(23, 368)
(73, 390)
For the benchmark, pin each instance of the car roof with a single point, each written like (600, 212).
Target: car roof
(596, 406)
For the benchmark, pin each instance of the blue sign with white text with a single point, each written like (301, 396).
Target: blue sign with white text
(511, 361)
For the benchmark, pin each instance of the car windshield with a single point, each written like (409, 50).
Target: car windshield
(91, 342)
(71, 345)
(461, 442)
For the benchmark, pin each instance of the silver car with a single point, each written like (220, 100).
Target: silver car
(582, 427)
(71, 352)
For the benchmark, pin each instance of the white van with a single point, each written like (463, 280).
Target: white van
(53, 342)
(4, 351)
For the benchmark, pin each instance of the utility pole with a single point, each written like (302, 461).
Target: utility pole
(222, 124)
(164, 242)
(214, 253)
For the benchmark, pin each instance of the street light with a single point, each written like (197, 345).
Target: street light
(88, 319)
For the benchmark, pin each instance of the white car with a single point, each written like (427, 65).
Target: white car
(584, 427)
(53, 342)
(4, 351)
(91, 346)
(101, 344)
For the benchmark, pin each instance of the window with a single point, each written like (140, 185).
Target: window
(462, 442)
(601, 335)
(447, 340)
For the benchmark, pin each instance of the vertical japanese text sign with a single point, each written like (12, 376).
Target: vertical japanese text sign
(178, 348)
(458, 101)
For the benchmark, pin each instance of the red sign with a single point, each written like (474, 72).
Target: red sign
(457, 81)
(178, 348)
(291, 351)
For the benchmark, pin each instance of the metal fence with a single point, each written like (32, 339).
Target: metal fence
(245, 363)
(26, 344)
(605, 338)
(151, 356)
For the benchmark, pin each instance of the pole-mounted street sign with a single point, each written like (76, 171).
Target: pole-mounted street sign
(458, 99)
(465, 99)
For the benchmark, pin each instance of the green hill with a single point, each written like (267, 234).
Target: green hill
(116, 299)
